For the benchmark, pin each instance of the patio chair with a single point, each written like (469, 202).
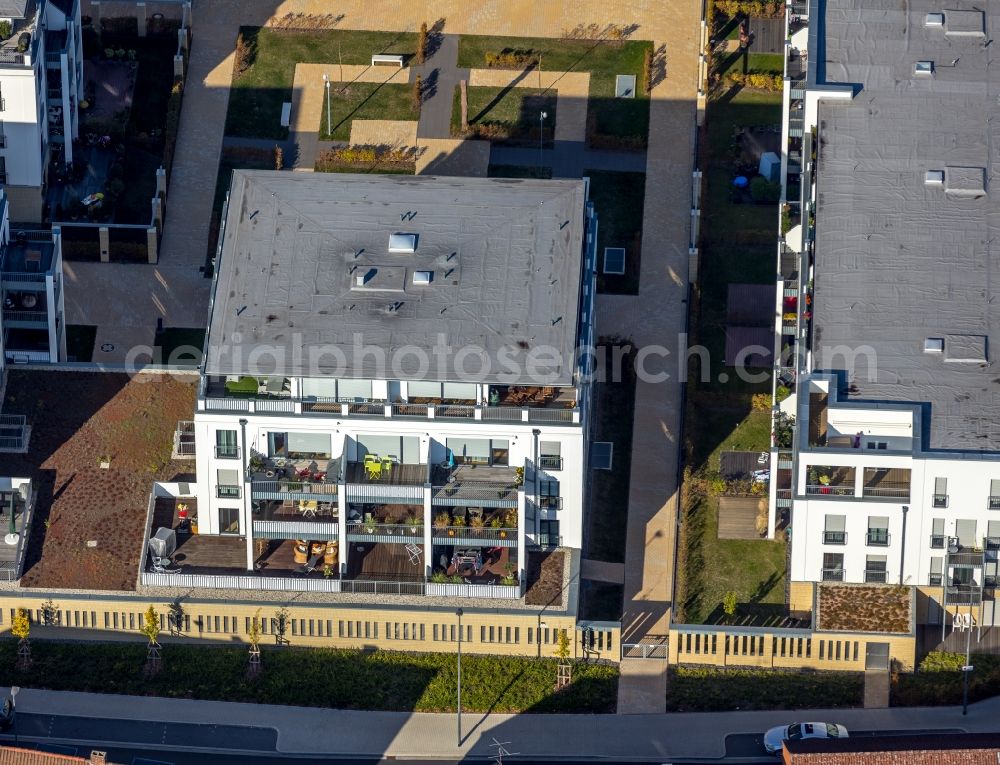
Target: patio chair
(414, 552)
(373, 469)
(309, 566)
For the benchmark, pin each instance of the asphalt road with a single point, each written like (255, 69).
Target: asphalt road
(752, 744)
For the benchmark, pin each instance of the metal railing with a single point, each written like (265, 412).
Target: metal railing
(227, 452)
(646, 650)
(940, 500)
(17, 315)
(223, 491)
(473, 532)
(831, 490)
(934, 580)
(552, 503)
(374, 528)
(833, 575)
(887, 492)
(876, 575)
(548, 540)
(550, 462)
(455, 411)
(991, 543)
(835, 537)
(993, 503)
(938, 541)
(289, 486)
(877, 538)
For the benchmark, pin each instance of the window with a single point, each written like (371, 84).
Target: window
(225, 445)
(875, 569)
(548, 535)
(937, 566)
(499, 451)
(229, 520)
(601, 455)
(937, 534)
(833, 567)
(3, 162)
(880, 445)
(301, 446)
(940, 492)
(833, 531)
(548, 493)
(992, 535)
(965, 530)
(994, 503)
(479, 451)
(878, 531)
(549, 456)
(228, 483)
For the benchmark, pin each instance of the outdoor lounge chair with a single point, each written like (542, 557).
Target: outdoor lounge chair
(309, 566)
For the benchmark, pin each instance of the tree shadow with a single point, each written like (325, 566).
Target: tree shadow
(435, 37)
(659, 67)
(429, 85)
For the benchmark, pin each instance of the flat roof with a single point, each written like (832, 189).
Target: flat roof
(307, 274)
(898, 259)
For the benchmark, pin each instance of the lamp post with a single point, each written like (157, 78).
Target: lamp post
(541, 137)
(326, 84)
(14, 690)
(538, 637)
(458, 707)
(967, 667)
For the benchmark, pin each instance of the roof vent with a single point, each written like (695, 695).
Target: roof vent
(934, 178)
(934, 345)
(362, 279)
(402, 243)
(423, 277)
(923, 67)
(934, 20)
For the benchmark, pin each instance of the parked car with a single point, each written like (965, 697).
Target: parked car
(7, 714)
(775, 737)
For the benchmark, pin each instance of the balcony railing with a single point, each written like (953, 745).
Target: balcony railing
(994, 503)
(291, 486)
(37, 317)
(938, 541)
(226, 452)
(835, 537)
(473, 532)
(991, 543)
(877, 538)
(550, 462)
(830, 490)
(940, 500)
(374, 528)
(552, 503)
(223, 491)
(833, 575)
(971, 595)
(934, 580)
(886, 492)
(876, 575)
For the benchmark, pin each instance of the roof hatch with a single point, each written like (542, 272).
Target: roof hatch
(402, 243)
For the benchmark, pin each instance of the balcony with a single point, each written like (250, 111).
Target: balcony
(833, 575)
(887, 483)
(227, 452)
(471, 525)
(224, 491)
(832, 480)
(835, 537)
(877, 538)
(318, 510)
(964, 595)
(876, 575)
(991, 543)
(478, 485)
(964, 556)
(373, 531)
(550, 462)
(934, 580)
(184, 440)
(938, 541)
(993, 503)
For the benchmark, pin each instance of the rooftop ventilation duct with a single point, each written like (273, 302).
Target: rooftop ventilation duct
(934, 345)
(934, 20)
(402, 243)
(934, 178)
(362, 279)
(923, 68)
(423, 277)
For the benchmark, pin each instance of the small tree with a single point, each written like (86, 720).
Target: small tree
(279, 157)
(151, 629)
(730, 601)
(253, 635)
(50, 613)
(21, 629)
(280, 626)
(416, 92)
(422, 44)
(565, 671)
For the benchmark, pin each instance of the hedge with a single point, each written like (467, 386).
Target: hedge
(757, 80)
(938, 680)
(767, 10)
(713, 689)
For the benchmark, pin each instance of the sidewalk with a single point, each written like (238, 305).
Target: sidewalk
(433, 736)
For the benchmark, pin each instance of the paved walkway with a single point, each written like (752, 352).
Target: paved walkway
(569, 159)
(440, 76)
(433, 736)
(602, 571)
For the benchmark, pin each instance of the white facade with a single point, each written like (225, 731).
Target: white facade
(40, 90)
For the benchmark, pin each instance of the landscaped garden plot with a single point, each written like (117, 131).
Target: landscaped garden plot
(711, 689)
(365, 101)
(263, 75)
(76, 419)
(860, 608)
(619, 199)
(612, 122)
(336, 678)
(507, 115)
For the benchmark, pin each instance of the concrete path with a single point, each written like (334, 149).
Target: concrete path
(433, 736)
(440, 76)
(602, 571)
(569, 159)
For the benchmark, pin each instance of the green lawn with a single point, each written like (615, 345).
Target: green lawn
(620, 122)
(711, 689)
(80, 341)
(737, 245)
(257, 94)
(766, 62)
(507, 115)
(317, 677)
(619, 199)
(365, 101)
(614, 411)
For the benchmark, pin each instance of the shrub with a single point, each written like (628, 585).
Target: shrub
(422, 44)
(5, 29)
(279, 157)
(767, 10)
(763, 191)
(761, 402)
(782, 392)
(730, 602)
(647, 70)
(512, 58)
(711, 689)
(416, 92)
(757, 80)
(246, 54)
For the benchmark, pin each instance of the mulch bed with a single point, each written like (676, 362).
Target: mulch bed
(76, 418)
(545, 578)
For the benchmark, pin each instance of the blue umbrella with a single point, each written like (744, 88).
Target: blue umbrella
(741, 181)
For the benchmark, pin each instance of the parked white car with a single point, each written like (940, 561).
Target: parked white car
(774, 738)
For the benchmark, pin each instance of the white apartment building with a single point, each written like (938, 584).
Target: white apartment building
(892, 470)
(391, 377)
(32, 326)
(41, 84)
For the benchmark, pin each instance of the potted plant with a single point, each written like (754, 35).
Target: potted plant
(369, 523)
(518, 477)
(256, 464)
(508, 580)
(477, 522)
(455, 579)
(194, 525)
(458, 520)
(439, 577)
(441, 521)
(415, 521)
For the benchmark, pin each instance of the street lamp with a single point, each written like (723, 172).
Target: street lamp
(326, 84)
(538, 637)
(541, 135)
(967, 667)
(14, 690)
(458, 613)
